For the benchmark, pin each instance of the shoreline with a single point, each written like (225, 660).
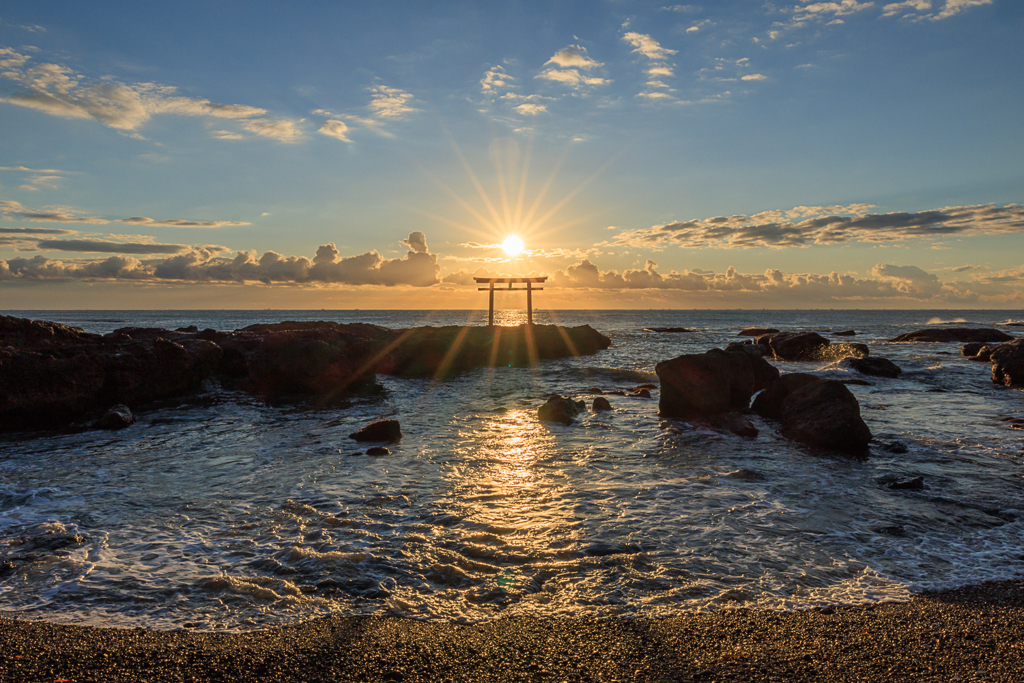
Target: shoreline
(971, 633)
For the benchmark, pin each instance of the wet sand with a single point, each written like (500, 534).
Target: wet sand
(972, 633)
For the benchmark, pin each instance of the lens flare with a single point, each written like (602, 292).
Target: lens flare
(512, 245)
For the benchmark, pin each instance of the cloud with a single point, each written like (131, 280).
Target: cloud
(389, 103)
(105, 246)
(335, 129)
(573, 56)
(954, 7)
(895, 8)
(805, 226)
(59, 91)
(827, 11)
(417, 242)
(495, 79)
(531, 109)
(570, 77)
(754, 77)
(179, 223)
(647, 46)
(681, 8)
(909, 280)
(35, 231)
(205, 264)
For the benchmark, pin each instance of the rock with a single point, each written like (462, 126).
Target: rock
(795, 345)
(601, 403)
(701, 385)
(1008, 363)
(756, 331)
(667, 329)
(971, 349)
(735, 423)
(648, 385)
(595, 390)
(118, 417)
(880, 367)
(915, 484)
(954, 334)
(769, 402)
(896, 447)
(845, 333)
(382, 430)
(616, 392)
(560, 409)
(642, 393)
(748, 346)
(378, 450)
(985, 353)
(856, 382)
(825, 414)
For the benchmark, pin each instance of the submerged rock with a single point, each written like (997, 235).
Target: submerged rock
(954, 334)
(378, 450)
(845, 333)
(915, 484)
(879, 367)
(825, 414)
(756, 331)
(382, 430)
(560, 409)
(667, 329)
(734, 422)
(705, 384)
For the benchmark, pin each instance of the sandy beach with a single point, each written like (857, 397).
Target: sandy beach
(972, 633)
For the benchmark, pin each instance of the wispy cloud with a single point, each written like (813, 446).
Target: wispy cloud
(805, 226)
(59, 91)
(389, 103)
(178, 223)
(10, 209)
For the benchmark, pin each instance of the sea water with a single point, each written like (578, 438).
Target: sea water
(222, 512)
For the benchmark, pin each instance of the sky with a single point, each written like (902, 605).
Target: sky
(735, 154)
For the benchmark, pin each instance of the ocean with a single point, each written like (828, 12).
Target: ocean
(221, 512)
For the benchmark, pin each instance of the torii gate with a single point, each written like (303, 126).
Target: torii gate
(529, 289)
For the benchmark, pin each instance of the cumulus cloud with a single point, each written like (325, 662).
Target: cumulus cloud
(530, 109)
(658, 68)
(59, 91)
(495, 79)
(205, 264)
(647, 46)
(566, 66)
(805, 226)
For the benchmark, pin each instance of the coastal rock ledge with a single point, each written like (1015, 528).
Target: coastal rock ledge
(52, 375)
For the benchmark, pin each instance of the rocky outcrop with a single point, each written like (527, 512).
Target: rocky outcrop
(560, 409)
(1008, 364)
(954, 334)
(979, 351)
(706, 384)
(387, 431)
(825, 414)
(601, 404)
(52, 374)
(879, 367)
(808, 346)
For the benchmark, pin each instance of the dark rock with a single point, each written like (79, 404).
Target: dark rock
(382, 430)
(748, 346)
(825, 414)
(970, 350)
(601, 403)
(1008, 363)
(915, 484)
(896, 447)
(560, 409)
(190, 328)
(845, 333)
(735, 423)
(701, 385)
(378, 450)
(756, 331)
(648, 385)
(769, 402)
(118, 417)
(667, 329)
(616, 392)
(857, 382)
(795, 345)
(595, 390)
(642, 393)
(954, 334)
(880, 367)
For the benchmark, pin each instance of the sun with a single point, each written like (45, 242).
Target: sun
(512, 245)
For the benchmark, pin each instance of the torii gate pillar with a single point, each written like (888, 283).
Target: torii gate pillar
(529, 289)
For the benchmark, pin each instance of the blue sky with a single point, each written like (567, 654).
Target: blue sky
(729, 154)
